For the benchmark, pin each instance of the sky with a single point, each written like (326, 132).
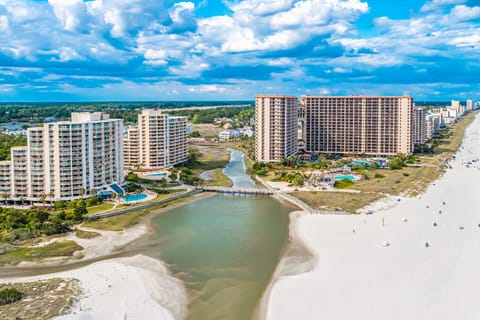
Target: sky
(159, 50)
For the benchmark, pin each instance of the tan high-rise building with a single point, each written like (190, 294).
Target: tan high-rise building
(276, 119)
(159, 140)
(373, 125)
(64, 159)
(131, 148)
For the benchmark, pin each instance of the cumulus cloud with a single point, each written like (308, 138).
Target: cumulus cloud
(70, 13)
(439, 4)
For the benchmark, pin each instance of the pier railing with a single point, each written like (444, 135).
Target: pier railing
(239, 191)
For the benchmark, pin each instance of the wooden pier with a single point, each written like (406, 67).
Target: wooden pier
(239, 191)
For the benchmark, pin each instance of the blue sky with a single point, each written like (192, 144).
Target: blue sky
(74, 50)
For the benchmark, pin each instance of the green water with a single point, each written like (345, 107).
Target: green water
(225, 249)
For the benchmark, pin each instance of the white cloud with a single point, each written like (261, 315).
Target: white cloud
(70, 13)
(68, 54)
(439, 4)
(207, 88)
(4, 24)
(179, 8)
(464, 13)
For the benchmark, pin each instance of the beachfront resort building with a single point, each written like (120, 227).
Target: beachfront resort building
(276, 118)
(158, 141)
(65, 160)
(372, 125)
(419, 126)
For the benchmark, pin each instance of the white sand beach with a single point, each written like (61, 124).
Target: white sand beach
(137, 287)
(357, 277)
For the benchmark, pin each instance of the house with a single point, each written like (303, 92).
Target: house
(226, 135)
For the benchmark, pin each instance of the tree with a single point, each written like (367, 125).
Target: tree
(94, 192)
(193, 154)
(82, 192)
(5, 197)
(79, 212)
(173, 176)
(22, 200)
(43, 197)
(51, 195)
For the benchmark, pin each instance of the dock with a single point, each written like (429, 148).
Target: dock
(240, 191)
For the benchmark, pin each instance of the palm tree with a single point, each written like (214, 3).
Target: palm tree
(22, 200)
(43, 197)
(138, 192)
(51, 195)
(82, 192)
(5, 197)
(94, 192)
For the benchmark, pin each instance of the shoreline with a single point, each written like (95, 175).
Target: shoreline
(101, 263)
(296, 258)
(290, 294)
(136, 286)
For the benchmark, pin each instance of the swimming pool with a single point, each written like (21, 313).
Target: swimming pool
(135, 197)
(348, 177)
(361, 163)
(156, 174)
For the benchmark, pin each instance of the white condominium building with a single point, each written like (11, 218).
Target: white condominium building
(276, 119)
(159, 140)
(373, 125)
(419, 126)
(66, 159)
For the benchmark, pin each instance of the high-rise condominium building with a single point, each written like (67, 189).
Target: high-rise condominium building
(276, 119)
(158, 141)
(131, 147)
(469, 105)
(419, 126)
(373, 125)
(64, 160)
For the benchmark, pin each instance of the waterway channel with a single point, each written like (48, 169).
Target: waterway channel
(224, 248)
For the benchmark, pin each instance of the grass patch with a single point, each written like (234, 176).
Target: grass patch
(337, 201)
(54, 249)
(219, 179)
(100, 208)
(412, 181)
(9, 295)
(448, 146)
(84, 234)
(117, 223)
(343, 184)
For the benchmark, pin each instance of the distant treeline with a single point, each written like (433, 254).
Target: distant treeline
(40, 112)
(8, 141)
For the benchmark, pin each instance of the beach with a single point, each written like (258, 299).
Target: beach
(411, 258)
(123, 288)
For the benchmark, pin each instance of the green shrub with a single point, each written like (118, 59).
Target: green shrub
(406, 174)
(92, 201)
(9, 295)
(378, 176)
(59, 204)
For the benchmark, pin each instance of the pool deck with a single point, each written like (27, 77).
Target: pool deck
(150, 196)
(148, 175)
